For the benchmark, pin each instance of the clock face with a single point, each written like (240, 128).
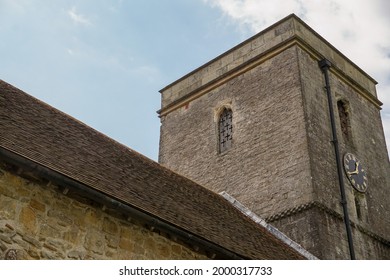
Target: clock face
(356, 174)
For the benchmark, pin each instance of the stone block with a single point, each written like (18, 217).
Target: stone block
(33, 241)
(126, 244)
(17, 239)
(28, 219)
(73, 235)
(13, 254)
(55, 244)
(8, 208)
(76, 255)
(163, 250)
(127, 231)
(3, 246)
(50, 229)
(109, 226)
(112, 241)
(5, 238)
(37, 205)
(176, 249)
(94, 242)
(112, 254)
(150, 244)
(33, 253)
(47, 255)
(93, 218)
(61, 217)
(139, 250)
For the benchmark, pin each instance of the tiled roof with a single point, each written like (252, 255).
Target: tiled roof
(50, 138)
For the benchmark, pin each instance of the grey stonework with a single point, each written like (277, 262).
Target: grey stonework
(282, 157)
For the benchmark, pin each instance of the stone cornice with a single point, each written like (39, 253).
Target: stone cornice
(318, 205)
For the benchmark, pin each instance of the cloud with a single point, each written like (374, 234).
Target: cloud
(78, 18)
(255, 14)
(359, 29)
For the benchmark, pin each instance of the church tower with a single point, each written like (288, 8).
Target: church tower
(291, 128)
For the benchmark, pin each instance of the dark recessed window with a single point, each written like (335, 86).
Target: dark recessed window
(358, 208)
(344, 115)
(225, 127)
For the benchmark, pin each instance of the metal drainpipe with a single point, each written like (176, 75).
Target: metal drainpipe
(325, 65)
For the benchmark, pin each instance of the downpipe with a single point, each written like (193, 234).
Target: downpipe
(325, 64)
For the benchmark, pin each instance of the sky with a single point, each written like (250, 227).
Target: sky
(104, 61)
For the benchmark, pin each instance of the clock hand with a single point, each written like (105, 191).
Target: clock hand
(356, 171)
(357, 167)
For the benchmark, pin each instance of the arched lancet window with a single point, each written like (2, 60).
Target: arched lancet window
(344, 115)
(225, 127)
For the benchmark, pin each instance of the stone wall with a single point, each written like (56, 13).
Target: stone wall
(39, 222)
(367, 142)
(267, 168)
(326, 227)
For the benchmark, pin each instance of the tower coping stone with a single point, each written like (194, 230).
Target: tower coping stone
(284, 34)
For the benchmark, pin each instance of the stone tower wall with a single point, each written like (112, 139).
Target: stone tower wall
(315, 224)
(366, 141)
(282, 161)
(267, 168)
